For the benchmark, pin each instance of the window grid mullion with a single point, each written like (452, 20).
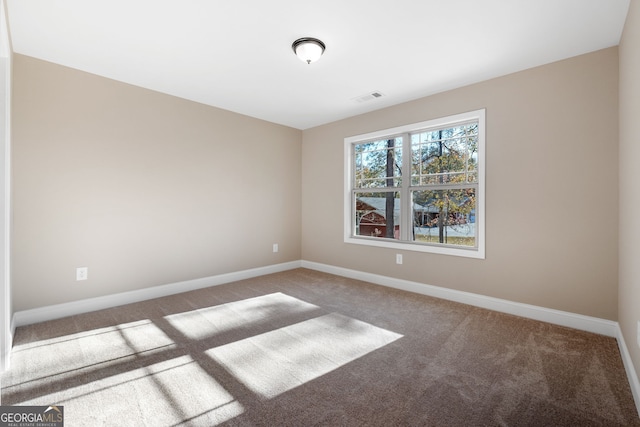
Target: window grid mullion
(432, 187)
(406, 211)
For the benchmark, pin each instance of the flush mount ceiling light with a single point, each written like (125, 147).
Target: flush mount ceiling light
(308, 49)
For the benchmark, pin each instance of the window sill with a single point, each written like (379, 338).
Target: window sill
(477, 253)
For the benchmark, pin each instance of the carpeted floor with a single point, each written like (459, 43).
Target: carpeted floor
(303, 348)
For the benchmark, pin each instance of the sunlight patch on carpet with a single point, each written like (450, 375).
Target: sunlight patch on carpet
(174, 391)
(75, 354)
(206, 322)
(278, 361)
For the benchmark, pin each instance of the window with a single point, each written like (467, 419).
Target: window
(418, 187)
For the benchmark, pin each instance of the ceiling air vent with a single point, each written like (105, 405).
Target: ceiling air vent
(368, 97)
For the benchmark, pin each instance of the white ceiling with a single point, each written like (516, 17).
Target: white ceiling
(237, 55)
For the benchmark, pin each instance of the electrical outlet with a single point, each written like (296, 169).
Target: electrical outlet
(275, 247)
(398, 258)
(82, 273)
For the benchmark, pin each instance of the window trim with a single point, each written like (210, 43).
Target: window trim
(349, 173)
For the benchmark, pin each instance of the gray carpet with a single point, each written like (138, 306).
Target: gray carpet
(303, 348)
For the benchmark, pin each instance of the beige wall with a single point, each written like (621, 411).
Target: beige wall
(551, 190)
(142, 188)
(629, 287)
(138, 186)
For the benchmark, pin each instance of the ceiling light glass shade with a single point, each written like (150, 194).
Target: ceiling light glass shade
(308, 49)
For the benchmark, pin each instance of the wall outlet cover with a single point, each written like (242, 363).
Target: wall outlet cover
(82, 273)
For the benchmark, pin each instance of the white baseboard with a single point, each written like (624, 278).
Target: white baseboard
(36, 315)
(557, 317)
(628, 366)
(563, 318)
(572, 320)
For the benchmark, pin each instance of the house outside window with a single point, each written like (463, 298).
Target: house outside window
(418, 187)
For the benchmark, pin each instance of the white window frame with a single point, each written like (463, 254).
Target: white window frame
(349, 217)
